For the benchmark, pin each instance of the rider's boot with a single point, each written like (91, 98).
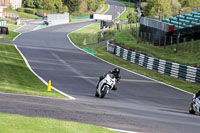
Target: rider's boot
(114, 88)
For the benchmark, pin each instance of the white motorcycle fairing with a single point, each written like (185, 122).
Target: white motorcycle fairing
(195, 105)
(105, 85)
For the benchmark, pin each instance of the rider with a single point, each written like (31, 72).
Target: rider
(116, 73)
(197, 94)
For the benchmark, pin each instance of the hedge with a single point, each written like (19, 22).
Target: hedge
(27, 10)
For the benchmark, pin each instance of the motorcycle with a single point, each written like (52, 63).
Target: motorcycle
(195, 105)
(105, 85)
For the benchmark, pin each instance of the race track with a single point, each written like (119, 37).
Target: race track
(140, 104)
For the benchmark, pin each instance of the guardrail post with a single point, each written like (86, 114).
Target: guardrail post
(199, 45)
(184, 43)
(192, 49)
(177, 44)
(159, 43)
(153, 39)
(171, 41)
(165, 42)
(149, 38)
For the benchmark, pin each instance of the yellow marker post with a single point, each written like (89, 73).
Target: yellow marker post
(49, 86)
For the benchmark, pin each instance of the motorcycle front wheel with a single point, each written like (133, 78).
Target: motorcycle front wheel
(104, 90)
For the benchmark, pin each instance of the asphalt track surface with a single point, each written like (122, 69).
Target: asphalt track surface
(140, 104)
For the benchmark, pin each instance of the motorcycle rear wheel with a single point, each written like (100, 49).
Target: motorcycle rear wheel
(96, 94)
(191, 111)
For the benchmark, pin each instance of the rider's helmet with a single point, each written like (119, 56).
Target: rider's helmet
(116, 72)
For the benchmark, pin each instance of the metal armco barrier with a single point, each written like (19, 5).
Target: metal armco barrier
(184, 72)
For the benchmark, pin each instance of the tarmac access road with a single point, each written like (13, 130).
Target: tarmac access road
(140, 104)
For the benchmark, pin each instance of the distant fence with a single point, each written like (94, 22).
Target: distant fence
(9, 15)
(184, 72)
(167, 41)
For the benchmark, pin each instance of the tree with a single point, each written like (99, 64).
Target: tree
(194, 3)
(184, 3)
(157, 7)
(44, 4)
(190, 3)
(29, 3)
(65, 9)
(38, 4)
(175, 5)
(63, 5)
(58, 4)
(48, 4)
(73, 5)
(132, 17)
(93, 5)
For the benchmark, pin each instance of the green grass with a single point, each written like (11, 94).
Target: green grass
(15, 75)
(42, 11)
(10, 21)
(109, 34)
(10, 123)
(10, 36)
(22, 14)
(11, 28)
(123, 17)
(165, 53)
(89, 33)
(102, 53)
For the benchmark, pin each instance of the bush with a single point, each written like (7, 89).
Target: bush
(30, 11)
(27, 10)
(73, 5)
(65, 9)
(93, 5)
(20, 9)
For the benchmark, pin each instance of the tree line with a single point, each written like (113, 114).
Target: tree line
(167, 7)
(63, 5)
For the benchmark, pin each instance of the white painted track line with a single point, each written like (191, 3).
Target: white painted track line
(121, 131)
(64, 94)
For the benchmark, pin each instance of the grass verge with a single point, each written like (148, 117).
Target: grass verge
(87, 35)
(12, 34)
(187, 57)
(22, 124)
(10, 21)
(102, 53)
(16, 77)
(22, 14)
